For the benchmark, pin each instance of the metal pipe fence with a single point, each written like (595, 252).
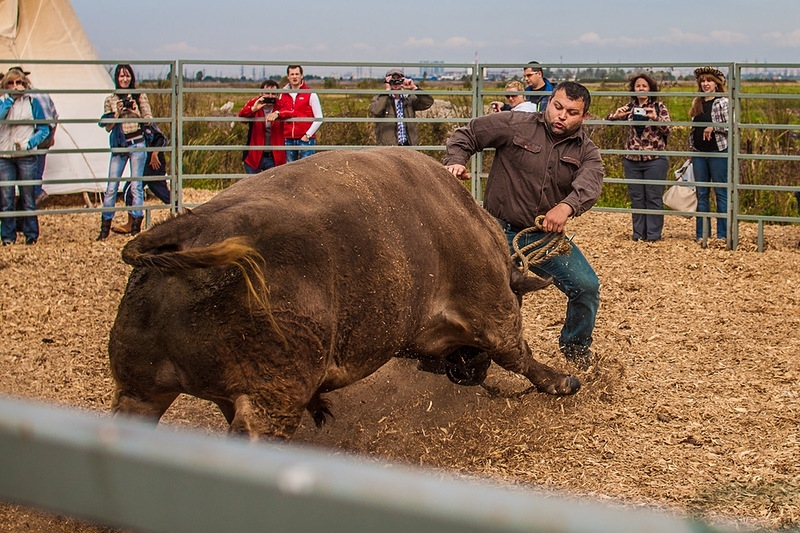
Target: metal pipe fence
(758, 109)
(127, 473)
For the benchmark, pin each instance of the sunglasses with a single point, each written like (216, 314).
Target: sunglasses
(15, 82)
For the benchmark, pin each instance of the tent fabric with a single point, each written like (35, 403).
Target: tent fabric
(50, 29)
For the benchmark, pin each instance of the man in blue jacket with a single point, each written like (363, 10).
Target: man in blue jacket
(534, 77)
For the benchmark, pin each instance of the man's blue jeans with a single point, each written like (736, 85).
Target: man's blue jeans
(267, 162)
(575, 277)
(714, 170)
(18, 169)
(115, 168)
(294, 155)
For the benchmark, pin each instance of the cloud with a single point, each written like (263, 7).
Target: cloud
(416, 43)
(673, 36)
(729, 37)
(785, 40)
(180, 48)
(457, 43)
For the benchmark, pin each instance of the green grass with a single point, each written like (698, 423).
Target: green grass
(353, 103)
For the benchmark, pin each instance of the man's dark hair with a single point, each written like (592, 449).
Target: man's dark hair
(575, 91)
(290, 67)
(535, 69)
(269, 83)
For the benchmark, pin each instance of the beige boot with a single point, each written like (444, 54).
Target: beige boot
(126, 228)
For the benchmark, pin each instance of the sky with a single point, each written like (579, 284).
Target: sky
(453, 31)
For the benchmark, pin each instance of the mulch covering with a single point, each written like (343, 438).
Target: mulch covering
(692, 407)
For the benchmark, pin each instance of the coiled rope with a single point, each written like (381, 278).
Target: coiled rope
(538, 252)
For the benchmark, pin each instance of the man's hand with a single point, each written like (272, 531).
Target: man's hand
(459, 171)
(555, 219)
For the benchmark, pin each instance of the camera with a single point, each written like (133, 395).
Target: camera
(639, 112)
(267, 100)
(127, 102)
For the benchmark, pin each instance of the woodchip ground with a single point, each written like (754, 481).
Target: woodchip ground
(692, 407)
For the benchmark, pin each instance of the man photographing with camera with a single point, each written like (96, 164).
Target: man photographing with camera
(262, 132)
(399, 106)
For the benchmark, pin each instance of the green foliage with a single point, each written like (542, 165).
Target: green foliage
(754, 140)
(346, 133)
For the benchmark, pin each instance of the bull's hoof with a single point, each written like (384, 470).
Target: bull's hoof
(467, 367)
(434, 366)
(569, 385)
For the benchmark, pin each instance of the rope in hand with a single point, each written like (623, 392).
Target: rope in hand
(537, 252)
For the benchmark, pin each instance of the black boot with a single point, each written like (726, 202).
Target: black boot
(136, 226)
(105, 228)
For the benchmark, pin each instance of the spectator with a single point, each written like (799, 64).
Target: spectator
(260, 129)
(50, 113)
(294, 105)
(156, 166)
(21, 165)
(125, 135)
(651, 137)
(561, 179)
(398, 106)
(534, 76)
(516, 102)
(710, 139)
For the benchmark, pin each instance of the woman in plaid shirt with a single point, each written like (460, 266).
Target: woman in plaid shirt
(710, 139)
(647, 133)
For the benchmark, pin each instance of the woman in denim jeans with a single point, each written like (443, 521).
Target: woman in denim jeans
(710, 139)
(125, 135)
(648, 133)
(17, 163)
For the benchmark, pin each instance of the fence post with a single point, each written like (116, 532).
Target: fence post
(733, 155)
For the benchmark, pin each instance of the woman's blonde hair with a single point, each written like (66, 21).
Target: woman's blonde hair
(515, 86)
(14, 75)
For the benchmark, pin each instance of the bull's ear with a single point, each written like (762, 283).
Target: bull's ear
(522, 283)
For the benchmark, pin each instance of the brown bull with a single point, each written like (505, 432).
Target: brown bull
(306, 278)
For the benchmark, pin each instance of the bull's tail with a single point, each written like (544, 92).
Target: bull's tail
(163, 253)
(171, 259)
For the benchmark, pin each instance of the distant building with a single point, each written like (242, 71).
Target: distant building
(432, 69)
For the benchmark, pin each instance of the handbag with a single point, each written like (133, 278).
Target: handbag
(680, 197)
(685, 172)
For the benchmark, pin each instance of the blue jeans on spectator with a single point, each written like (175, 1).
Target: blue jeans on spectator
(294, 155)
(714, 170)
(646, 196)
(267, 162)
(575, 277)
(115, 169)
(40, 163)
(18, 169)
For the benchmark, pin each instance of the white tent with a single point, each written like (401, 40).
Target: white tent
(49, 29)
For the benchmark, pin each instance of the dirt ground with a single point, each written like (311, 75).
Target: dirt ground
(693, 406)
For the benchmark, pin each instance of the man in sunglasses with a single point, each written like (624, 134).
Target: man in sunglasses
(398, 106)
